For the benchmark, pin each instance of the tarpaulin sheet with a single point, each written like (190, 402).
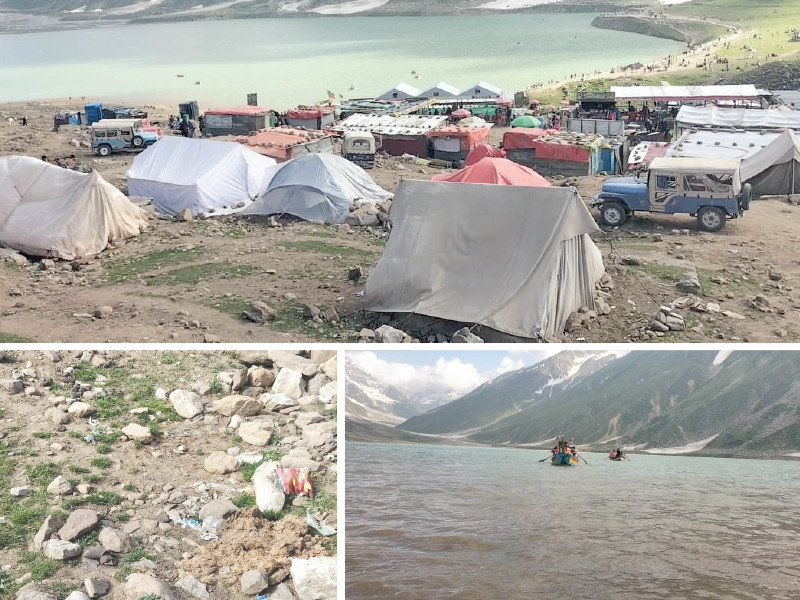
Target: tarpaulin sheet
(742, 118)
(202, 175)
(46, 210)
(568, 152)
(311, 112)
(685, 92)
(482, 151)
(521, 138)
(516, 259)
(317, 187)
(468, 137)
(495, 170)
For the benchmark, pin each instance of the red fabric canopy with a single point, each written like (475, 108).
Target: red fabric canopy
(520, 138)
(495, 170)
(482, 151)
(461, 112)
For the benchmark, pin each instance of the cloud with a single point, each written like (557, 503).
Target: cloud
(445, 376)
(506, 365)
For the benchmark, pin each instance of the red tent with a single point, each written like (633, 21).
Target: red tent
(482, 151)
(495, 170)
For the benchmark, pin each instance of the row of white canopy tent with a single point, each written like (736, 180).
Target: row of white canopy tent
(217, 178)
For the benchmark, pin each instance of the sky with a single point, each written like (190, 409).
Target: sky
(435, 372)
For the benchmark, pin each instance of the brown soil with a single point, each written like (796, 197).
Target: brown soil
(191, 281)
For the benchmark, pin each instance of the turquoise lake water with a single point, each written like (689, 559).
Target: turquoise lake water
(291, 61)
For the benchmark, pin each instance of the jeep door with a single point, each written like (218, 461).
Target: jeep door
(663, 187)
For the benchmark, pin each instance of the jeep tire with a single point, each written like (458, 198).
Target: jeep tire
(138, 142)
(711, 218)
(747, 195)
(612, 214)
(104, 150)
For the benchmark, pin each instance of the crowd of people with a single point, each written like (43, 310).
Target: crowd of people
(564, 452)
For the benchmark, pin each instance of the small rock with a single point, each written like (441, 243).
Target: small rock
(254, 582)
(81, 521)
(138, 433)
(194, 587)
(186, 403)
(116, 540)
(465, 336)
(20, 492)
(96, 587)
(102, 312)
(59, 486)
(60, 549)
(220, 463)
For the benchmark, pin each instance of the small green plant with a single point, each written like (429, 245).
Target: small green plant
(275, 439)
(102, 462)
(169, 358)
(39, 566)
(123, 517)
(200, 452)
(244, 500)
(274, 515)
(94, 478)
(43, 473)
(155, 429)
(103, 449)
(216, 387)
(88, 539)
(79, 470)
(130, 488)
(75, 434)
(237, 439)
(42, 435)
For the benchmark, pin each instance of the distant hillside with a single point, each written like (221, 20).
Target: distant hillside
(508, 395)
(169, 10)
(373, 400)
(359, 430)
(652, 399)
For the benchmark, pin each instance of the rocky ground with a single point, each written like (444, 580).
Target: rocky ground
(244, 279)
(143, 474)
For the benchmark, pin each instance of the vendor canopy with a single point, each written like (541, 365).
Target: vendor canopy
(495, 170)
(515, 259)
(317, 187)
(482, 151)
(776, 168)
(204, 176)
(742, 118)
(49, 211)
(685, 92)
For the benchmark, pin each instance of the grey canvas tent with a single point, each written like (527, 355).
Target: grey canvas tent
(775, 170)
(515, 259)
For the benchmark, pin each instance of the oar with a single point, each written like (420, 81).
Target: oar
(544, 459)
(583, 459)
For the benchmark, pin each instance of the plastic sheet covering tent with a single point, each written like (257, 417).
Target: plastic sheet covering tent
(741, 118)
(46, 210)
(204, 176)
(495, 170)
(776, 168)
(515, 259)
(317, 187)
(482, 151)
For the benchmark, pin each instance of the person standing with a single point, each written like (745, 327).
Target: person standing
(24, 120)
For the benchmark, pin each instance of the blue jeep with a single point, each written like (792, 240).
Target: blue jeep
(115, 135)
(709, 189)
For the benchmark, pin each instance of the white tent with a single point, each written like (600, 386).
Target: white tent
(317, 187)
(402, 91)
(481, 90)
(776, 168)
(441, 90)
(204, 176)
(49, 211)
(516, 259)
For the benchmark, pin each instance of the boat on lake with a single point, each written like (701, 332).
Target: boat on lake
(565, 454)
(618, 455)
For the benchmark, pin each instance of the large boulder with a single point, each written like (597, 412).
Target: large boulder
(257, 433)
(60, 549)
(116, 540)
(289, 382)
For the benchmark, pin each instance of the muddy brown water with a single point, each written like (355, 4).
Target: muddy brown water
(470, 523)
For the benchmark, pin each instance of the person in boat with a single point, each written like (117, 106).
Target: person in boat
(619, 453)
